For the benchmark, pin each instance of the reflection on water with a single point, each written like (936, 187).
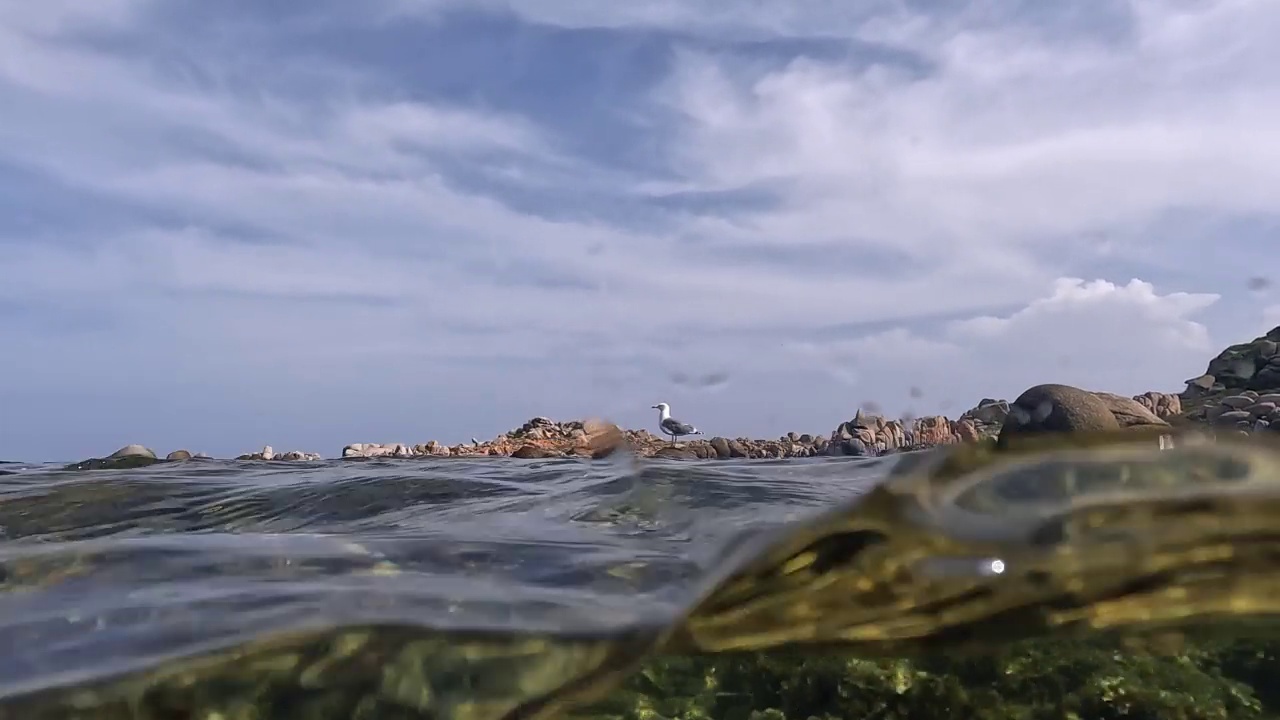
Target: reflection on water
(495, 588)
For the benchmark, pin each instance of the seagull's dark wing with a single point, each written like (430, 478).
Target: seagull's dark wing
(675, 427)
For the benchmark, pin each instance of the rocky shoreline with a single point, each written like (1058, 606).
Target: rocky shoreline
(1239, 392)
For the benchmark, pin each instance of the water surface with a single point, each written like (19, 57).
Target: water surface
(492, 589)
(104, 571)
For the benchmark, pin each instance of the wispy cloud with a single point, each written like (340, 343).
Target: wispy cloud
(230, 225)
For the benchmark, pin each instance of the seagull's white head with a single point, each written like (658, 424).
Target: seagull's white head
(662, 407)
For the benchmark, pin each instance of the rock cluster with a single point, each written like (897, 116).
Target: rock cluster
(538, 438)
(267, 453)
(134, 456)
(1248, 410)
(865, 434)
(1240, 389)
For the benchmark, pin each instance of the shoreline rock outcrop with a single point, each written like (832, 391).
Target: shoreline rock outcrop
(1240, 388)
(1239, 392)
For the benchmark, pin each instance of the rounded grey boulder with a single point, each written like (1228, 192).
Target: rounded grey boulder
(1062, 408)
(1056, 408)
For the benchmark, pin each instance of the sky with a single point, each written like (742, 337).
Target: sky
(231, 224)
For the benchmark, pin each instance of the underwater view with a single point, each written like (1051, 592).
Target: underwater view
(1090, 575)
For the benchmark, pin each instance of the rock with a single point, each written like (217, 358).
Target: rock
(127, 457)
(1162, 405)
(1056, 408)
(983, 420)
(1201, 385)
(1254, 365)
(873, 434)
(374, 450)
(1261, 409)
(1237, 402)
(989, 411)
(967, 431)
(179, 455)
(435, 449)
(1129, 412)
(721, 446)
(855, 447)
(675, 453)
(269, 453)
(601, 439)
(935, 430)
(1232, 418)
(534, 452)
(129, 451)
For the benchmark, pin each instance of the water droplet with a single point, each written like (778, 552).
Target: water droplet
(871, 407)
(706, 381)
(915, 393)
(1258, 284)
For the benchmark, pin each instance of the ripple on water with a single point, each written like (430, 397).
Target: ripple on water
(280, 565)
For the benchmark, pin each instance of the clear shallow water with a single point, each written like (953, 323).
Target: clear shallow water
(501, 589)
(106, 571)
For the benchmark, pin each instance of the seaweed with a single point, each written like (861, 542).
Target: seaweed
(1093, 679)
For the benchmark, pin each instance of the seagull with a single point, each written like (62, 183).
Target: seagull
(671, 426)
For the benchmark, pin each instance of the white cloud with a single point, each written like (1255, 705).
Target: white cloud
(1117, 338)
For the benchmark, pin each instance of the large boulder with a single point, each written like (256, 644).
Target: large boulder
(1128, 411)
(1062, 408)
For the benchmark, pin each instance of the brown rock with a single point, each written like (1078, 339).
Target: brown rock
(1128, 411)
(966, 431)
(1056, 408)
(178, 455)
(534, 452)
(675, 453)
(1162, 405)
(934, 430)
(601, 439)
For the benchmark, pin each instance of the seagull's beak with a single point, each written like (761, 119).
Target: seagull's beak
(655, 407)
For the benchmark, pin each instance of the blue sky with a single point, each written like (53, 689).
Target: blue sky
(224, 225)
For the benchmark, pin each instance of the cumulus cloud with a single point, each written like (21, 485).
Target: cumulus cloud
(306, 205)
(1152, 341)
